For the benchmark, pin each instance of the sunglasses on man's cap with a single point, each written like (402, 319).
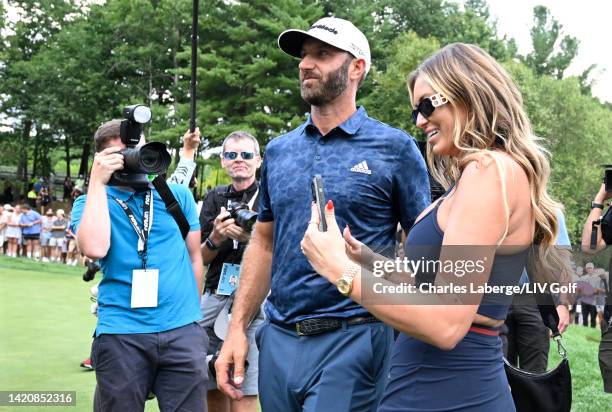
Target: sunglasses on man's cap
(427, 106)
(234, 155)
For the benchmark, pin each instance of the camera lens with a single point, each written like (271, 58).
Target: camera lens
(246, 219)
(154, 158)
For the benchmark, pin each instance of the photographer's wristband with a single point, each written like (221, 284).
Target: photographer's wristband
(210, 245)
(595, 205)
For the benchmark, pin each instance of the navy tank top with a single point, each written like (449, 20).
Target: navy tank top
(424, 242)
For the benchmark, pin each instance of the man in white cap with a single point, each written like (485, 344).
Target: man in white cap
(319, 350)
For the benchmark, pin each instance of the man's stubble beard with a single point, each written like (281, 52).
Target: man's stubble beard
(335, 84)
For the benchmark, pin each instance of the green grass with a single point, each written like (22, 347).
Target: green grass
(45, 332)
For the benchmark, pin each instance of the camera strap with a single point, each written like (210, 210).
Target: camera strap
(172, 206)
(147, 223)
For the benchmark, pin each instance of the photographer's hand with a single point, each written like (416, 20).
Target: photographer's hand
(191, 141)
(602, 195)
(237, 233)
(220, 226)
(105, 164)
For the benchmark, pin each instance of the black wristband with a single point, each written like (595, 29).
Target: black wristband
(209, 243)
(597, 205)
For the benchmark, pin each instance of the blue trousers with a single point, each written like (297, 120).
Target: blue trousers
(340, 371)
(171, 364)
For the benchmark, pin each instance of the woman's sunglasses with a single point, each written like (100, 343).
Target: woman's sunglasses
(234, 155)
(427, 106)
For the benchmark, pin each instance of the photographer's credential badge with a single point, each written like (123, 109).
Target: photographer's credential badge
(144, 288)
(228, 281)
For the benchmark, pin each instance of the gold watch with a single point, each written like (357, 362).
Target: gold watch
(345, 283)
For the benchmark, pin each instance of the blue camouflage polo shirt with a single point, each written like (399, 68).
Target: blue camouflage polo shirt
(376, 177)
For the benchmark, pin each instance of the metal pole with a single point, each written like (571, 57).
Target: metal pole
(194, 64)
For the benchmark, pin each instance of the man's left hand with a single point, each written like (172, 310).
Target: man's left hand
(237, 233)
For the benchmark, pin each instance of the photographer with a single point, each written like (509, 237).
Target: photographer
(146, 338)
(593, 244)
(223, 244)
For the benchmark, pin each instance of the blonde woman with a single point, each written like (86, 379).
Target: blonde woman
(13, 230)
(448, 356)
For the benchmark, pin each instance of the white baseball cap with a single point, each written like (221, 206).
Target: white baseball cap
(339, 33)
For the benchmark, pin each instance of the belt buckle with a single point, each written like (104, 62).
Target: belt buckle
(297, 329)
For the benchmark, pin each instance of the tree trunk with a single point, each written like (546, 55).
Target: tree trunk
(35, 160)
(22, 165)
(83, 169)
(67, 151)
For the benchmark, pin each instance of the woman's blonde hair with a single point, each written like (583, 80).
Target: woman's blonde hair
(495, 121)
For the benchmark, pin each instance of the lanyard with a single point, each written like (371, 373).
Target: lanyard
(147, 222)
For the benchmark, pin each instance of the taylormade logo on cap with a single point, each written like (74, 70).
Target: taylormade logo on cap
(339, 33)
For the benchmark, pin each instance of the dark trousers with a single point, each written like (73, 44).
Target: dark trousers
(340, 371)
(525, 338)
(586, 311)
(170, 364)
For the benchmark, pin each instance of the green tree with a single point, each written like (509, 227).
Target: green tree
(552, 54)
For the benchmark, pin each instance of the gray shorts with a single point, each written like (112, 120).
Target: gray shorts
(44, 238)
(211, 305)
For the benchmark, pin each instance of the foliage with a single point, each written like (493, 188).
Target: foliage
(545, 38)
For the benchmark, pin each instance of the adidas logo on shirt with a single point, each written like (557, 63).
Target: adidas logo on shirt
(361, 168)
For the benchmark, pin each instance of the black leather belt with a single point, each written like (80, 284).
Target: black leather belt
(316, 326)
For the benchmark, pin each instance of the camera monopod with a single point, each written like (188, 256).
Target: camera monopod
(194, 65)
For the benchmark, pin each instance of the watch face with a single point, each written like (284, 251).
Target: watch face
(344, 286)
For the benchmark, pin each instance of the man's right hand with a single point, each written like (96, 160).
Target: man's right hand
(105, 164)
(230, 364)
(221, 227)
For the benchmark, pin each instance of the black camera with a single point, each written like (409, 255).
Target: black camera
(151, 158)
(608, 178)
(244, 217)
(92, 269)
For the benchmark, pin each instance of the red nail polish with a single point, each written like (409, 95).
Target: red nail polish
(330, 204)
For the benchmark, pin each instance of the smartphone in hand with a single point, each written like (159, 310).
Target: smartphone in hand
(319, 198)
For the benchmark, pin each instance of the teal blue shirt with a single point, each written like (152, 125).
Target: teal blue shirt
(178, 303)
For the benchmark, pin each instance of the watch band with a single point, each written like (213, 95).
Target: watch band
(345, 283)
(597, 205)
(209, 244)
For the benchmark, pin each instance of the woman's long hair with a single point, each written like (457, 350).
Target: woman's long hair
(495, 122)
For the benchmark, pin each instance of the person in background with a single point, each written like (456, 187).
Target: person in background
(67, 187)
(76, 192)
(577, 306)
(31, 226)
(601, 291)
(32, 196)
(587, 289)
(58, 235)
(45, 235)
(223, 245)
(70, 246)
(13, 230)
(45, 198)
(3, 219)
